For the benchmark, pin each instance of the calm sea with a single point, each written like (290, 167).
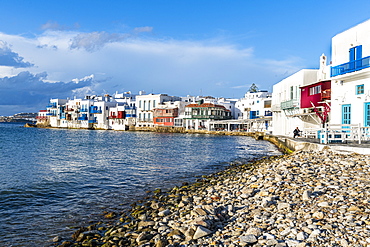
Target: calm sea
(52, 180)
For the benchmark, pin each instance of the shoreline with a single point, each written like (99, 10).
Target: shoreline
(274, 201)
(281, 145)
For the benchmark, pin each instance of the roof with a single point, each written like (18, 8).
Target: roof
(316, 83)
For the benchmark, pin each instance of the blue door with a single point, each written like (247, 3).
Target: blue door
(346, 114)
(367, 114)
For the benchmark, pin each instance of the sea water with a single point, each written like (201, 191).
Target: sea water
(54, 180)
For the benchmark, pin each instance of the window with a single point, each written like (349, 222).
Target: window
(315, 90)
(267, 104)
(360, 89)
(291, 92)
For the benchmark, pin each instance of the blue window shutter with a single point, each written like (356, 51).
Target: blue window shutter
(358, 52)
(352, 54)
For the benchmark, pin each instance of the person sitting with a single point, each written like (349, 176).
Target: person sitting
(296, 132)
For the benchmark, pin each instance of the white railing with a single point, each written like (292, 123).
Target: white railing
(344, 132)
(311, 133)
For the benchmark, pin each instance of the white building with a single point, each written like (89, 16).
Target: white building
(286, 102)
(350, 74)
(123, 114)
(99, 111)
(145, 103)
(254, 105)
(55, 111)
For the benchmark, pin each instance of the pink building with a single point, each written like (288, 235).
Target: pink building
(316, 96)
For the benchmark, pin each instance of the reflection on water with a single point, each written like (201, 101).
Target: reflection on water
(53, 179)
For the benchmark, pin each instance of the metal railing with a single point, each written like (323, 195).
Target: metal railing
(289, 104)
(351, 66)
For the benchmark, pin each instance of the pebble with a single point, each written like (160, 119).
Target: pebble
(249, 239)
(301, 199)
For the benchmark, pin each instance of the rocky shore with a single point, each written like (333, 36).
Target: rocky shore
(300, 199)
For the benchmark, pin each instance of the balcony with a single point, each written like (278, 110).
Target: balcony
(82, 118)
(84, 110)
(289, 104)
(214, 117)
(95, 110)
(349, 67)
(52, 105)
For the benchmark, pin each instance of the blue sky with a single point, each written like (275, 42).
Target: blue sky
(60, 49)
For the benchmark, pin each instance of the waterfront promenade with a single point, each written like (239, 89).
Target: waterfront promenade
(318, 197)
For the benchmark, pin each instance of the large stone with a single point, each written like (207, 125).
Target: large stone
(174, 232)
(323, 204)
(301, 236)
(143, 224)
(200, 211)
(283, 205)
(248, 239)
(285, 232)
(164, 212)
(201, 232)
(306, 196)
(144, 236)
(318, 215)
(254, 231)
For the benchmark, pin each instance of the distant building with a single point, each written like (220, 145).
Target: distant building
(146, 103)
(254, 105)
(198, 116)
(42, 118)
(165, 116)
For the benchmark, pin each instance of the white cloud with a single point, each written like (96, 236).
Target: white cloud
(53, 25)
(241, 86)
(143, 29)
(120, 62)
(95, 40)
